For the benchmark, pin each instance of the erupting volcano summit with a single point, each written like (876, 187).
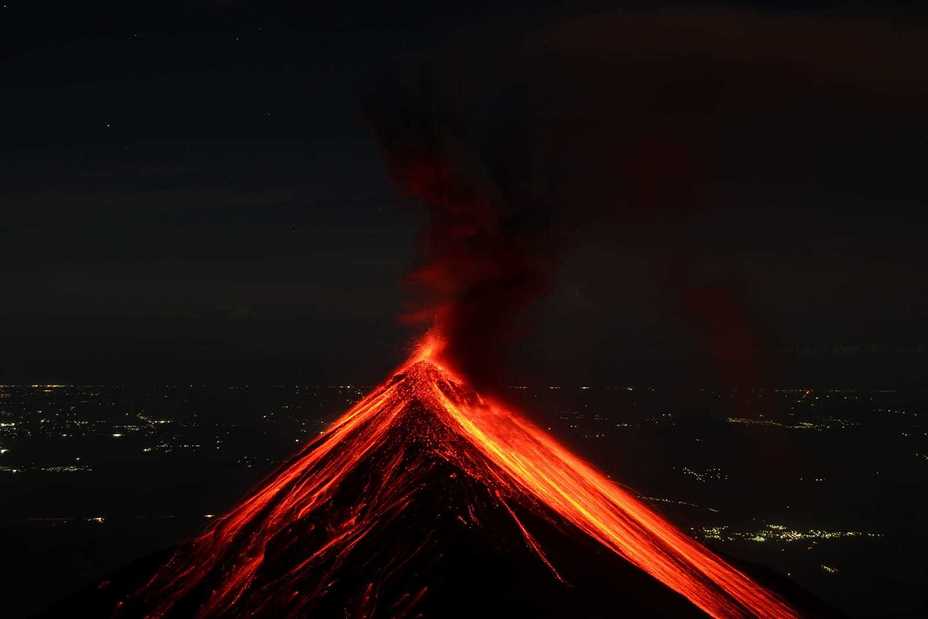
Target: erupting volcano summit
(352, 526)
(428, 498)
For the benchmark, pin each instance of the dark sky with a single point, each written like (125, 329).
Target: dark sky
(191, 192)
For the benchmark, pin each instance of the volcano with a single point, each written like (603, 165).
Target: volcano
(428, 499)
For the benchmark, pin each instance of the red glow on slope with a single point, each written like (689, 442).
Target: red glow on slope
(492, 444)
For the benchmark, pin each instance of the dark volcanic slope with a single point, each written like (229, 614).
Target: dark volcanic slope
(395, 512)
(452, 550)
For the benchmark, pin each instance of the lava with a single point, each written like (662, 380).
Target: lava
(217, 573)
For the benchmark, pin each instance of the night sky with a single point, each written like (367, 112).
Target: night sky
(192, 191)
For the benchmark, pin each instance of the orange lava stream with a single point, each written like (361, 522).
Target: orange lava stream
(607, 513)
(519, 461)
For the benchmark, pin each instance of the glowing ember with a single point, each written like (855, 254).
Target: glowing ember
(491, 444)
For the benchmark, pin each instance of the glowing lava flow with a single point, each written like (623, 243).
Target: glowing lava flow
(517, 461)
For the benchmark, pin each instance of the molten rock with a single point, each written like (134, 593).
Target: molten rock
(427, 499)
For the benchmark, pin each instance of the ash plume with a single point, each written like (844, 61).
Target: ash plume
(517, 146)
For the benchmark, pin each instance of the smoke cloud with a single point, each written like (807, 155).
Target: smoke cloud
(518, 146)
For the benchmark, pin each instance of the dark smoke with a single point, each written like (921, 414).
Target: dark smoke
(518, 146)
(487, 251)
